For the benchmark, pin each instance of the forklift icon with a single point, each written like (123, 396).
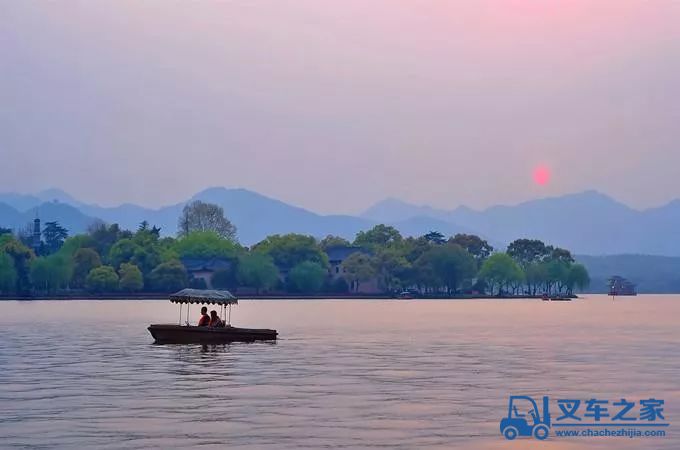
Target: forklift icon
(524, 418)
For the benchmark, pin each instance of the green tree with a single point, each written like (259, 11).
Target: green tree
(205, 244)
(54, 235)
(84, 260)
(131, 278)
(378, 236)
(333, 241)
(445, 266)
(21, 257)
(476, 246)
(558, 275)
(123, 251)
(289, 250)
(168, 276)
(200, 216)
(435, 237)
(258, 271)
(392, 267)
(307, 277)
(536, 275)
(102, 279)
(357, 268)
(8, 274)
(528, 251)
(413, 248)
(75, 243)
(499, 271)
(104, 236)
(50, 273)
(578, 278)
(141, 249)
(560, 254)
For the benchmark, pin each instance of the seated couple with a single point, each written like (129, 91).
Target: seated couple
(212, 320)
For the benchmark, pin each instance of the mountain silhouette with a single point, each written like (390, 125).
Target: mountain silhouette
(588, 223)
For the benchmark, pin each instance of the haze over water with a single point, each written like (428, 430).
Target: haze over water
(344, 374)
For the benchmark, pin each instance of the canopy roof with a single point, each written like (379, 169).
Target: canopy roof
(209, 296)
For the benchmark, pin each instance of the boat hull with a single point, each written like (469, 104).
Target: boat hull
(178, 334)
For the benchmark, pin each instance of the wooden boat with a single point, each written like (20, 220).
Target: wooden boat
(191, 334)
(188, 334)
(560, 299)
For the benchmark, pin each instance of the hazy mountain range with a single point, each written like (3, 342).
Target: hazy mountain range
(588, 223)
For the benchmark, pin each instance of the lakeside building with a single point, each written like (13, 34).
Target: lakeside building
(337, 255)
(204, 268)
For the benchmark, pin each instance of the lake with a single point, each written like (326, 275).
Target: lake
(406, 374)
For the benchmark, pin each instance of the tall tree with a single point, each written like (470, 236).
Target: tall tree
(391, 268)
(104, 236)
(536, 275)
(528, 251)
(578, 278)
(84, 260)
(357, 268)
(560, 254)
(168, 276)
(131, 278)
(8, 274)
(333, 241)
(54, 235)
(257, 270)
(307, 277)
(435, 237)
(50, 273)
(558, 275)
(200, 216)
(102, 279)
(499, 271)
(205, 244)
(21, 257)
(289, 250)
(446, 265)
(476, 246)
(378, 236)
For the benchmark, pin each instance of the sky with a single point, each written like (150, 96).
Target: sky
(334, 105)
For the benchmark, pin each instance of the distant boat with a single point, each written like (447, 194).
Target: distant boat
(545, 297)
(621, 286)
(191, 334)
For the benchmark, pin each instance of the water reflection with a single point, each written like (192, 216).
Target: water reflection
(406, 374)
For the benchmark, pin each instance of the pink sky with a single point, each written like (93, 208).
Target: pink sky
(335, 105)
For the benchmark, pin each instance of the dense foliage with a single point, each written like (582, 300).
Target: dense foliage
(107, 259)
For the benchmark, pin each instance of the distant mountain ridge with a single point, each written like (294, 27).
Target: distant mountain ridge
(588, 223)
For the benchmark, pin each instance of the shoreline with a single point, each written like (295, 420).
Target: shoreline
(161, 296)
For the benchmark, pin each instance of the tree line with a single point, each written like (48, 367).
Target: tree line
(107, 258)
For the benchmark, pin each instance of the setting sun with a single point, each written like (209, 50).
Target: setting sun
(541, 175)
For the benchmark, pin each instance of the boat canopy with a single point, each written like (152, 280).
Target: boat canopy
(209, 296)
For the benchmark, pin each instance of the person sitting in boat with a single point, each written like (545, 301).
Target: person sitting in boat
(215, 320)
(204, 321)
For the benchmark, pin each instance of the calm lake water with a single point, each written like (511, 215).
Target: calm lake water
(344, 374)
